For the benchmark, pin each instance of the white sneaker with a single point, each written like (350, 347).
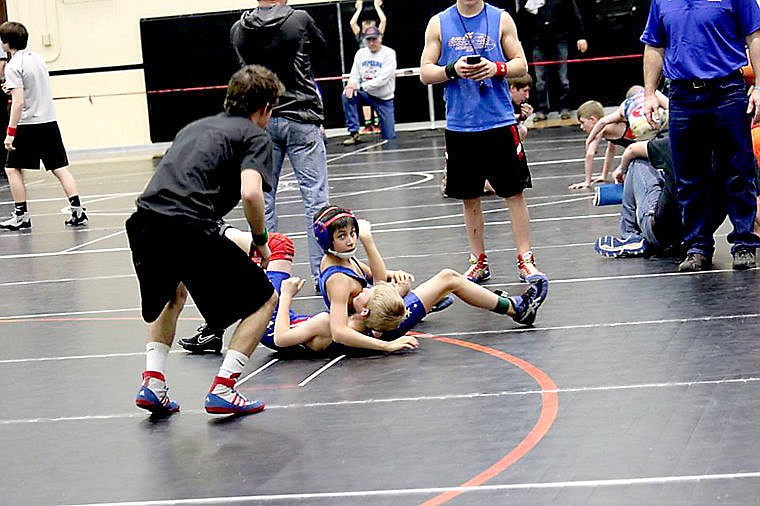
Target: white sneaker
(16, 222)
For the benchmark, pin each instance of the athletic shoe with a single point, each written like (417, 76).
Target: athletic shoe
(564, 114)
(526, 265)
(478, 272)
(77, 219)
(616, 247)
(442, 304)
(694, 262)
(526, 305)
(223, 399)
(353, 138)
(541, 283)
(367, 130)
(205, 340)
(539, 116)
(744, 258)
(154, 395)
(17, 222)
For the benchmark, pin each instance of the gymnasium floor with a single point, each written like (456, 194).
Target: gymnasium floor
(637, 385)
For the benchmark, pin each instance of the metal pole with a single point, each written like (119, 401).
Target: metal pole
(340, 38)
(431, 106)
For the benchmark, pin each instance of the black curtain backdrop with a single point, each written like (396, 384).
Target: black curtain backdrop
(194, 51)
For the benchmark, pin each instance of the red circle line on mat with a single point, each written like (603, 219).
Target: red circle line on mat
(549, 408)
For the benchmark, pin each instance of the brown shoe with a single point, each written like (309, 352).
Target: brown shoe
(353, 138)
(695, 262)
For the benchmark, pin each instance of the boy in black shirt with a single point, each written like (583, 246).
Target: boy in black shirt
(209, 166)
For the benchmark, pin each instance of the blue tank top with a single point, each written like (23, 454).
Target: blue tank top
(335, 269)
(470, 106)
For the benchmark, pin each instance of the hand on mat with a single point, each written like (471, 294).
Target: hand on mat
(403, 343)
(580, 186)
(291, 286)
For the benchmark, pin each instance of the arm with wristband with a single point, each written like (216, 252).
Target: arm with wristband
(252, 196)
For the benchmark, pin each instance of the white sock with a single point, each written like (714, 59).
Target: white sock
(155, 356)
(233, 363)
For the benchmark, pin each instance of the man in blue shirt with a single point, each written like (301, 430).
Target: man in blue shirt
(700, 47)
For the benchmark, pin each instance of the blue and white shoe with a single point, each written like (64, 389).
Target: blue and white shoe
(617, 247)
(442, 304)
(526, 305)
(154, 395)
(223, 399)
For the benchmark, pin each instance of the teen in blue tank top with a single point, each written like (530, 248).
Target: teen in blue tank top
(473, 106)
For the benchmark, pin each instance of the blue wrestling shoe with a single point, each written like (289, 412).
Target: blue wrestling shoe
(154, 395)
(526, 305)
(442, 304)
(223, 399)
(616, 247)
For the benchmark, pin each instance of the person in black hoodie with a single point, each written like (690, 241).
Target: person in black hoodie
(548, 25)
(284, 40)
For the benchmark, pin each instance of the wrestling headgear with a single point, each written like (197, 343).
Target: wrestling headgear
(322, 221)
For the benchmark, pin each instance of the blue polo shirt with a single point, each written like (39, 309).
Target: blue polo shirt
(703, 39)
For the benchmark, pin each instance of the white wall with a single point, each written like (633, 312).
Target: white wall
(108, 109)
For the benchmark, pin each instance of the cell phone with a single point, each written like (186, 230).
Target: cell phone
(473, 60)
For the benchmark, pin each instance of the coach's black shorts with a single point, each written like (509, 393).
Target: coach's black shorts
(224, 283)
(37, 142)
(496, 155)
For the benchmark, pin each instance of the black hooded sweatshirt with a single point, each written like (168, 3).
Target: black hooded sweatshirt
(283, 39)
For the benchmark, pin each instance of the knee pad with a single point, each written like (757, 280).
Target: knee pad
(281, 246)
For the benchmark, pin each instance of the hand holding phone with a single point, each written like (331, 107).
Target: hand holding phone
(473, 59)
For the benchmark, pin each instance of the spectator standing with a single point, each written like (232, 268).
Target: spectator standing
(372, 82)
(473, 48)
(700, 48)
(285, 41)
(553, 23)
(32, 132)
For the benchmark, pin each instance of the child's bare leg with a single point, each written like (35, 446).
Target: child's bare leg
(475, 225)
(68, 183)
(449, 281)
(520, 219)
(16, 182)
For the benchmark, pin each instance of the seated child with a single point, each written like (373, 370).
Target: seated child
(650, 217)
(627, 124)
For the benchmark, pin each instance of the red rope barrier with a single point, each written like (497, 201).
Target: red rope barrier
(399, 73)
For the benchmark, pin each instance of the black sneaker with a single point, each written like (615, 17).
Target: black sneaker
(77, 219)
(695, 262)
(744, 258)
(206, 340)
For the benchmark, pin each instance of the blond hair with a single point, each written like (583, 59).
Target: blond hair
(589, 109)
(386, 308)
(636, 88)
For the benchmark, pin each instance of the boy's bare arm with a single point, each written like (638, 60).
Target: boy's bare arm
(374, 258)
(354, 21)
(430, 71)
(588, 166)
(381, 16)
(609, 161)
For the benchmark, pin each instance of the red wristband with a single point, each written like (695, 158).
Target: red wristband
(11, 131)
(501, 68)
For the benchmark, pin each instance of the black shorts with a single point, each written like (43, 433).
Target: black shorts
(496, 155)
(224, 283)
(37, 142)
